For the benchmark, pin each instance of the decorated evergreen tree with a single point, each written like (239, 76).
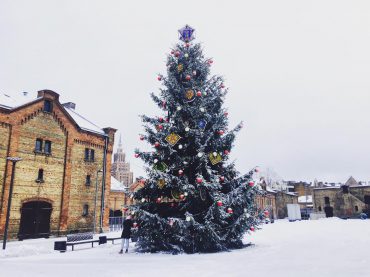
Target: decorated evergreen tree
(193, 200)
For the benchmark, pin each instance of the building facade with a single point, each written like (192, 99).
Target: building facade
(348, 200)
(121, 168)
(64, 175)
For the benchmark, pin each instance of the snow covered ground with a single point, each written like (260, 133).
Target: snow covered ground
(326, 247)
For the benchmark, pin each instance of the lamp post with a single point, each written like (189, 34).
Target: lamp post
(96, 196)
(14, 160)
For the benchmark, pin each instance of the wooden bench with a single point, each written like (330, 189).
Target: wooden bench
(76, 239)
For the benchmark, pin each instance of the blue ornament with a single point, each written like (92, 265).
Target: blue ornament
(202, 124)
(186, 33)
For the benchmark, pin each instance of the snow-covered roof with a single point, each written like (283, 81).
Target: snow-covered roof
(116, 185)
(304, 199)
(84, 123)
(10, 102)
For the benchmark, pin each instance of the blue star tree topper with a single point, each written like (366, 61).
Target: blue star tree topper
(186, 33)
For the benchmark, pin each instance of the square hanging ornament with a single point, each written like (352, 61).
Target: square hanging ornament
(189, 95)
(161, 183)
(173, 138)
(215, 158)
(180, 68)
(186, 33)
(160, 166)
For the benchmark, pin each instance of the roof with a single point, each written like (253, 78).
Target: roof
(351, 182)
(11, 102)
(304, 199)
(116, 185)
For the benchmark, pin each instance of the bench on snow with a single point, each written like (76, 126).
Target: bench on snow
(79, 238)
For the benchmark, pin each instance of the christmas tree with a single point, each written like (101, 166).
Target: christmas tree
(193, 199)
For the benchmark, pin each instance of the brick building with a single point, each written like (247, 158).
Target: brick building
(63, 155)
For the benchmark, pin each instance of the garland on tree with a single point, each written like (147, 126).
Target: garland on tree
(193, 200)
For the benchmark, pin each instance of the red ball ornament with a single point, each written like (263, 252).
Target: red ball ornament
(222, 86)
(172, 52)
(181, 172)
(159, 200)
(167, 119)
(229, 210)
(199, 93)
(141, 137)
(182, 196)
(266, 213)
(159, 78)
(222, 178)
(219, 203)
(125, 209)
(252, 229)
(177, 53)
(226, 114)
(164, 104)
(156, 144)
(221, 132)
(134, 224)
(226, 152)
(187, 44)
(199, 180)
(136, 155)
(160, 119)
(251, 183)
(160, 127)
(210, 61)
(188, 78)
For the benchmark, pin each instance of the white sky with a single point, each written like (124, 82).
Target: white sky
(298, 71)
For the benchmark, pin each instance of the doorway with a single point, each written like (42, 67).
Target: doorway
(35, 220)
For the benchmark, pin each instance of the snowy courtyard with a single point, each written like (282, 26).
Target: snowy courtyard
(327, 247)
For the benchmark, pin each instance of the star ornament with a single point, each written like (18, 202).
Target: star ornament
(186, 33)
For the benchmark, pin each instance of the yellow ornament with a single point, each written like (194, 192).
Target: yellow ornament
(189, 94)
(180, 68)
(161, 183)
(173, 138)
(215, 159)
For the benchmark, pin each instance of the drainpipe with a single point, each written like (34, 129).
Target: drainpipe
(106, 140)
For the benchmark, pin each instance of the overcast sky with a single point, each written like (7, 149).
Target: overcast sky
(298, 71)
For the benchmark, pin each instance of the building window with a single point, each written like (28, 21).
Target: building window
(89, 155)
(88, 180)
(319, 208)
(40, 176)
(47, 147)
(48, 106)
(85, 210)
(92, 155)
(38, 145)
(327, 200)
(356, 208)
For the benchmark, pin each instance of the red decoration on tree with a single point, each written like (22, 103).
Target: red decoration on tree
(156, 144)
(125, 209)
(160, 127)
(181, 172)
(226, 152)
(222, 178)
(252, 229)
(182, 196)
(172, 52)
(135, 224)
(141, 137)
(199, 93)
(251, 183)
(266, 213)
(164, 104)
(136, 155)
(199, 180)
(229, 210)
(222, 85)
(188, 78)
(159, 200)
(226, 113)
(219, 203)
(221, 132)
(159, 78)
(177, 53)
(160, 119)
(187, 45)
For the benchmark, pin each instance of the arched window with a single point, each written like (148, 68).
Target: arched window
(85, 210)
(356, 208)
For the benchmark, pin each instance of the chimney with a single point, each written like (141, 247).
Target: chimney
(70, 105)
(25, 93)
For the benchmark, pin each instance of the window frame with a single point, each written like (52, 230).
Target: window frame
(40, 176)
(49, 143)
(41, 143)
(88, 180)
(85, 209)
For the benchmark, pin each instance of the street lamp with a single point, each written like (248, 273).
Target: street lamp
(96, 196)
(14, 160)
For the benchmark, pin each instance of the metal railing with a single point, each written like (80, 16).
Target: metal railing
(115, 223)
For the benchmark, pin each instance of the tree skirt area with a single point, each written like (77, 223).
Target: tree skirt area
(326, 247)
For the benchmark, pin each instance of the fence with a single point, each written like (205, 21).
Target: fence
(115, 223)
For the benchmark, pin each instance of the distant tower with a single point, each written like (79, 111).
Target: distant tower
(121, 168)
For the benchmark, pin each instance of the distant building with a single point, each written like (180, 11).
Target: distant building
(348, 200)
(64, 156)
(119, 198)
(121, 168)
